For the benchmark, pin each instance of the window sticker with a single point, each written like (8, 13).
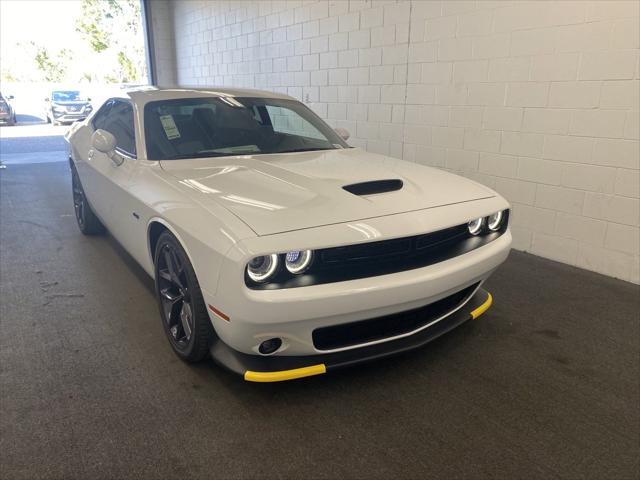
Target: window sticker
(170, 127)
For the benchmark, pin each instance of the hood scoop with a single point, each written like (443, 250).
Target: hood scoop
(373, 187)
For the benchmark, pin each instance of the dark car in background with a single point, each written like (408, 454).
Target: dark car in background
(66, 106)
(7, 113)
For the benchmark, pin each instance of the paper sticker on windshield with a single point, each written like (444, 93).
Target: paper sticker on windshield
(170, 128)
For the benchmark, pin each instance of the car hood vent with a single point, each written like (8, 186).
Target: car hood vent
(373, 187)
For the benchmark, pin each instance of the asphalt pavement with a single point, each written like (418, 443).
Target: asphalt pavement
(544, 385)
(32, 142)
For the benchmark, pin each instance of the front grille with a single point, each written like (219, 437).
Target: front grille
(364, 331)
(383, 257)
(388, 249)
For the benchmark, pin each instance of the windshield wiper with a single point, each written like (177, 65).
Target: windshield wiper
(182, 156)
(310, 149)
(209, 153)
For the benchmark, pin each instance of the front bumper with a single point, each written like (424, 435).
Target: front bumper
(255, 368)
(293, 314)
(69, 117)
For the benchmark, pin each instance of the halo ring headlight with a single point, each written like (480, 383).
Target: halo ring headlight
(298, 261)
(262, 268)
(494, 222)
(475, 226)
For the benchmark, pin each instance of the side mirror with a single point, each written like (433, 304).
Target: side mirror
(10, 97)
(88, 99)
(46, 99)
(343, 133)
(105, 142)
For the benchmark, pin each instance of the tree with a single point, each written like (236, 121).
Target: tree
(97, 24)
(53, 66)
(129, 72)
(8, 76)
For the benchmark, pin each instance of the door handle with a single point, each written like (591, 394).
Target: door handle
(90, 154)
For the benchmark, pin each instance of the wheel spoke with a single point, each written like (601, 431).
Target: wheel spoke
(171, 261)
(168, 311)
(165, 275)
(179, 268)
(185, 318)
(171, 311)
(168, 262)
(171, 297)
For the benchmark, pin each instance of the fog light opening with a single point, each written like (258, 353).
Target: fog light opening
(270, 346)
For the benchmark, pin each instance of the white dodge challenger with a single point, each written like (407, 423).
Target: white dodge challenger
(276, 248)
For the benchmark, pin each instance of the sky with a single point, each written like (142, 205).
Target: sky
(48, 22)
(51, 24)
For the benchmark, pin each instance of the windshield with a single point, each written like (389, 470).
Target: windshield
(223, 126)
(66, 96)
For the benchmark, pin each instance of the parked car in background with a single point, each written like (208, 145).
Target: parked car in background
(7, 113)
(276, 247)
(66, 106)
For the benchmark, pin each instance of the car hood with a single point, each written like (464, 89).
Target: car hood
(276, 193)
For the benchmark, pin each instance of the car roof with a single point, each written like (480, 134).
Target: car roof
(149, 94)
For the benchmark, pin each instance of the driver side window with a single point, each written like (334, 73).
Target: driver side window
(118, 121)
(101, 115)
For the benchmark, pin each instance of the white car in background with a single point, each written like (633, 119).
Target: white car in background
(276, 248)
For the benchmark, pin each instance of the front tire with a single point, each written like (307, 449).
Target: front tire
(182, 308)
(87, 220)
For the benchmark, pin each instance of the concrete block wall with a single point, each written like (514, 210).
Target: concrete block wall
(536, 99)
(164, 46)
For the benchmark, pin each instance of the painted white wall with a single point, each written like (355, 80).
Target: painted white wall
(537, 99)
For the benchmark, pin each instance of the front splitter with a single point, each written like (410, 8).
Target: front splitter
(257, 368)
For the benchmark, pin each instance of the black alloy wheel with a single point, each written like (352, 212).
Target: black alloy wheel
(88, 223)
(175, 297)
(78, 198)
(185, 318)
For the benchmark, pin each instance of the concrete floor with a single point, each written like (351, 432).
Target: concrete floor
(544, 385)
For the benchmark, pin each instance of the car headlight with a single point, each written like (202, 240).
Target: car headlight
(475, 226)
(494, 222)
(298, 261)
(57, 109)
(262, 268)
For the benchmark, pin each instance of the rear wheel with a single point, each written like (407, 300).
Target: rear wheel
(87, 220)
(182, 308)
